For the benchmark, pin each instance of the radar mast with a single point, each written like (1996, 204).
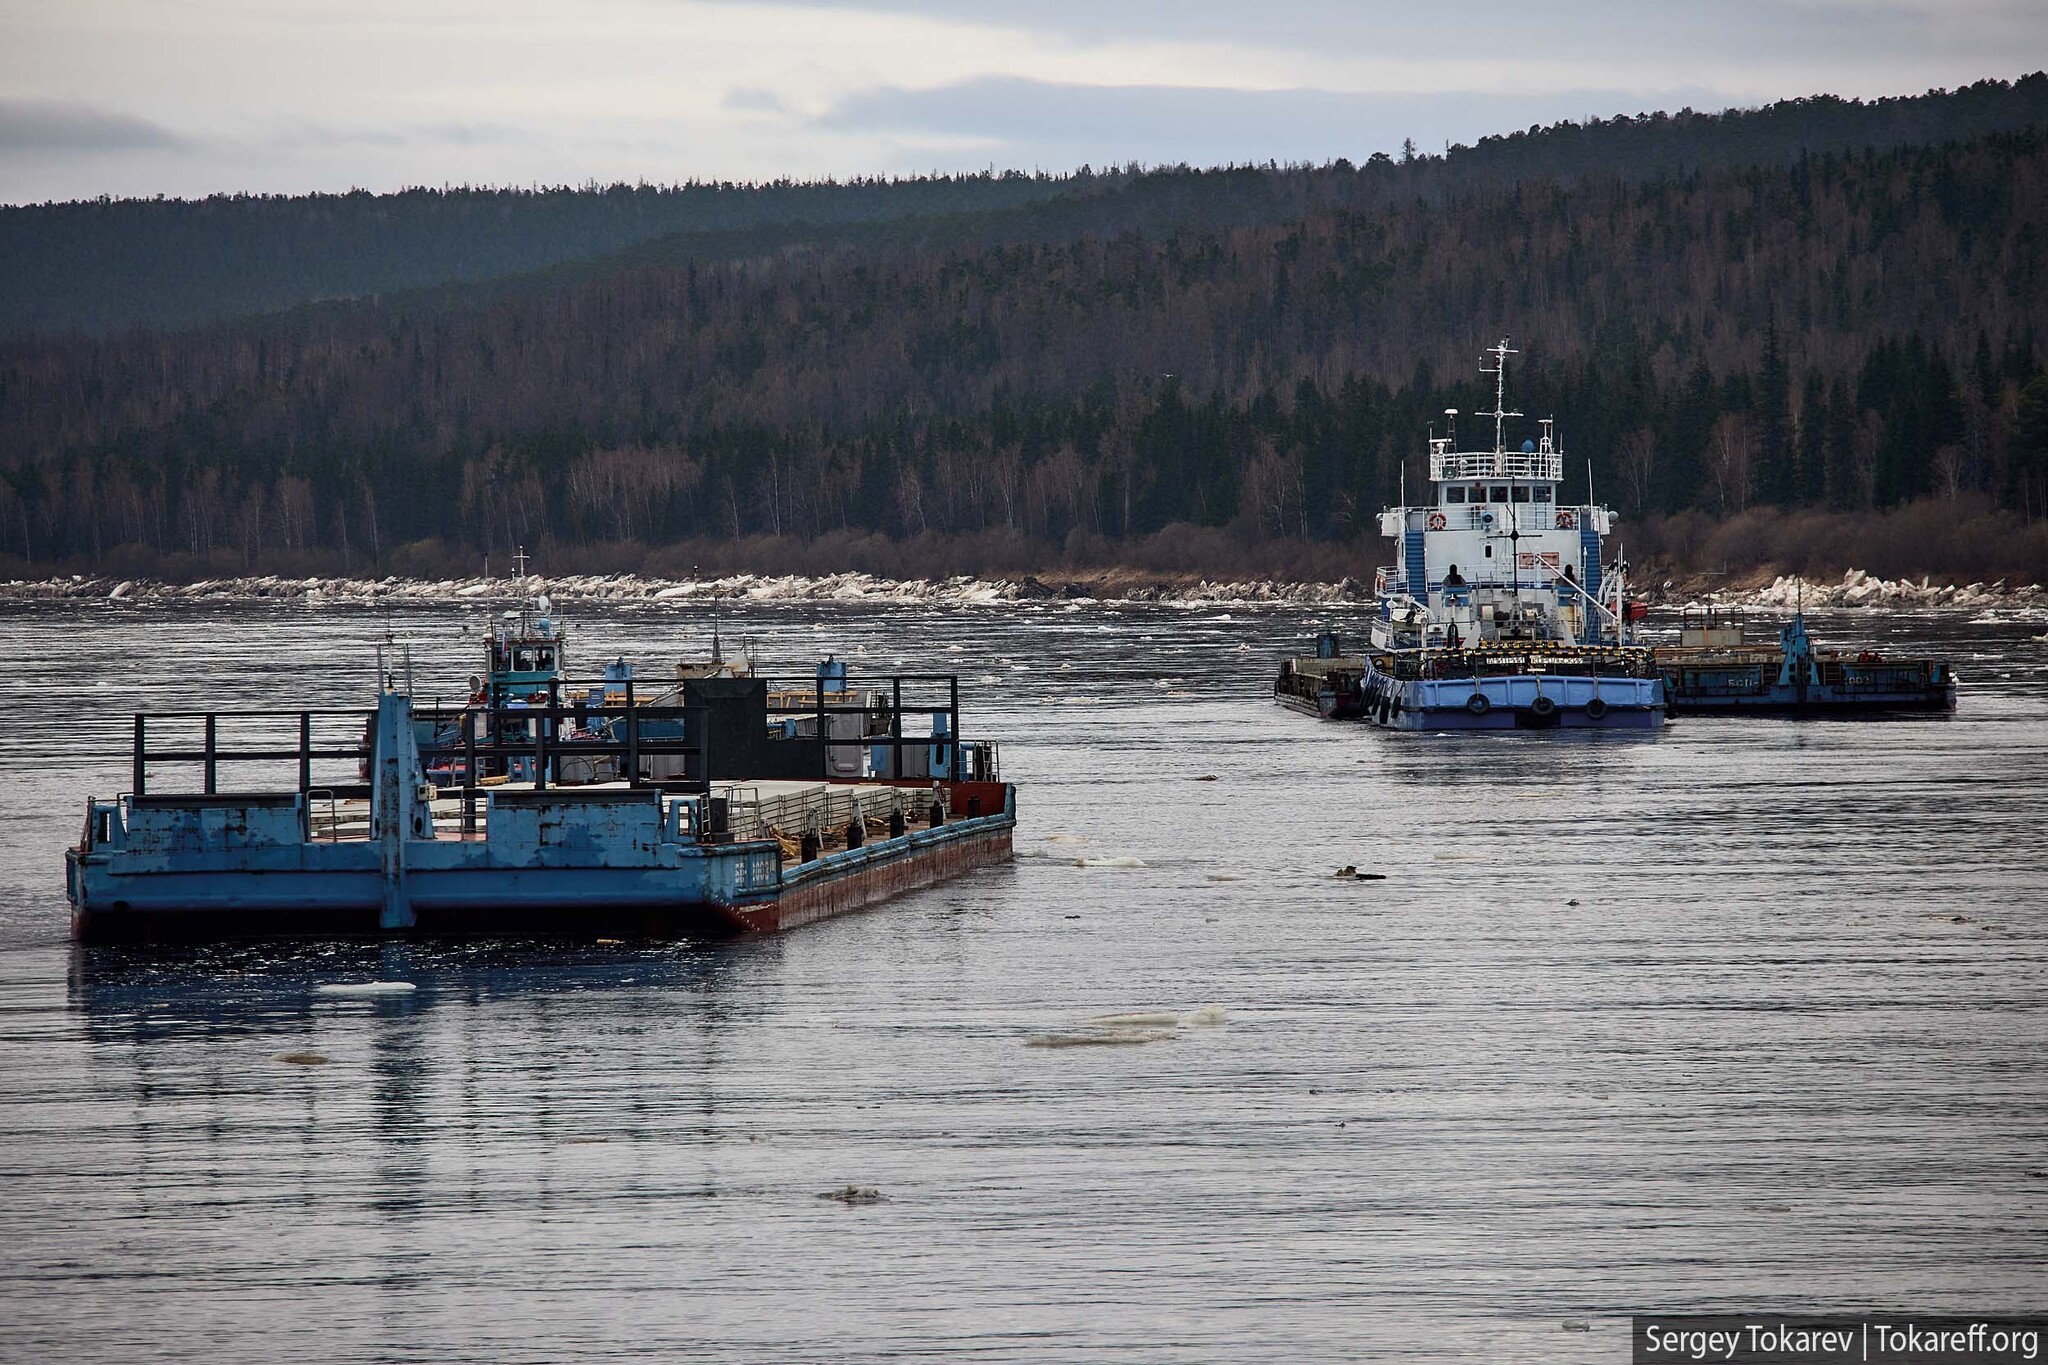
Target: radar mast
(1499, 371)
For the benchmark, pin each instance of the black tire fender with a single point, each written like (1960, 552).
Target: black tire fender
(1542, 706)
(1477, 704)
(1595, 709)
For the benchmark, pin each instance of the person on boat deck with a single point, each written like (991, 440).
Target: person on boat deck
(1452, 578)
(1571, 575)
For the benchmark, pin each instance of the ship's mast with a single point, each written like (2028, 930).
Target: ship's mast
(1500, 414)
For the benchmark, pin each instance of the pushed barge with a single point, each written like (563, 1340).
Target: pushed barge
(819, 805)
(1498, 612)
(1717, 670)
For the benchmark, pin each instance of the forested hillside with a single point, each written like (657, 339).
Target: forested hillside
(105, 265)
(1846, 331)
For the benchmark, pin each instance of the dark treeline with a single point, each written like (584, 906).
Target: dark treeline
(1847, 333)
(101, 265)
(104, 265)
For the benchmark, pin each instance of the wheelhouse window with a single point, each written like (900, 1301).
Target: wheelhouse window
(1498, 493)
(1521, 492)
(1455, 493)
(1543, 492)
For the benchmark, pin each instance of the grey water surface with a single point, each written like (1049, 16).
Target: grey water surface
(1746, 1015)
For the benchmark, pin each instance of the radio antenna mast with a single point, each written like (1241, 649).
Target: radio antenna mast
(1500, 414)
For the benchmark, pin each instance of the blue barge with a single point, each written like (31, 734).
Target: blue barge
(1716, 670)
(704, 848)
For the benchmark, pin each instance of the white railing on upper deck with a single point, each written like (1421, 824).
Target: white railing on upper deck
(1496, 464)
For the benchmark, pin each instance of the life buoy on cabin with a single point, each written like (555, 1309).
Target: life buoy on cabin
(1565, 521)
(1437, 521)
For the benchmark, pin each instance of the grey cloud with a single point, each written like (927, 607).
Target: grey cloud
(473, 134)
(316, 136)
(749, 100)
(1578, 33)
(57, 126)
(1062, 125)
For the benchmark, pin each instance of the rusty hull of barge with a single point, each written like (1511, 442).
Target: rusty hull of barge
(808, 897)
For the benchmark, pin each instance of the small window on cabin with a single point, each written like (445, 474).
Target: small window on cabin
(1489, 552)
(1499, 493)
(544, 658)
(1543, 492)
(1454, 493)
(1521, 493)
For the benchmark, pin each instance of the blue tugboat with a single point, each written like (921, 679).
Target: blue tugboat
(714, 806)
(1498, 612)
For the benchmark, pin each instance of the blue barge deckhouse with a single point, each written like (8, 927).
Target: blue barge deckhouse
(1498, 612)
(711, 806)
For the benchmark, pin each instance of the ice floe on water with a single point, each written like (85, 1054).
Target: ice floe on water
(1859, 589)
(1129, 1028)
(1100, 1038)
(756, 588)
(1854, 589)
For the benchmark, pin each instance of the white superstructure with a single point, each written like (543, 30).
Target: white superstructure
(1497, 554)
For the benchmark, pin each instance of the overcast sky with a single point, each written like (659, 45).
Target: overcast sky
(189, 97)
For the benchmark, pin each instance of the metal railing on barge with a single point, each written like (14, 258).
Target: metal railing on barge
(536, 738)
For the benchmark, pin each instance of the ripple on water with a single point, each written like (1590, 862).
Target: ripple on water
(1746, 1014)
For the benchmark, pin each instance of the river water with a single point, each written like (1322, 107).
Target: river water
(1746, 1015)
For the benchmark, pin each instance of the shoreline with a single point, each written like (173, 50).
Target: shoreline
(1762, 589)
(760, 589)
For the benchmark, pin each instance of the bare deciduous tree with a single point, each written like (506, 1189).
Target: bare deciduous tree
(1638, 459)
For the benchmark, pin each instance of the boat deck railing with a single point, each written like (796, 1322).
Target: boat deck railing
(1496, 464)
(607, 721)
